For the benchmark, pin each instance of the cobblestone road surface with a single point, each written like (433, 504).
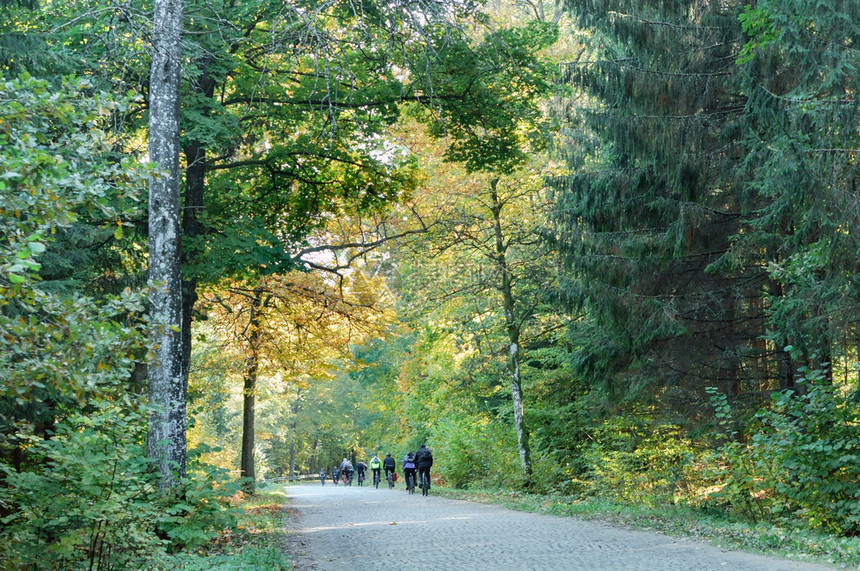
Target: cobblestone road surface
(365, 528)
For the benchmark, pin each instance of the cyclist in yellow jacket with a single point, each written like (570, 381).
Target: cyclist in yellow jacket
(375, 467)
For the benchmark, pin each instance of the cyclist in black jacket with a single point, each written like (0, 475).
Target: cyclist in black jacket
(389, 465)
(409, 472)
(360, 467)
(423, 461)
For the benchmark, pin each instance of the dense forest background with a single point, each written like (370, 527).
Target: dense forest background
(590, 249)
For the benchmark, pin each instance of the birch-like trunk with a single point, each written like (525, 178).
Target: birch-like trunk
(512, 327)
(166, 444)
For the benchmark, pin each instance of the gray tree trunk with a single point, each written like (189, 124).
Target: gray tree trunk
(166, 444)
(513, 329)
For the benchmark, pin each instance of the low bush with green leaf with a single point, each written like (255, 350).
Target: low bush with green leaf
(799, 463)
(633, 460)
(83, 498)
(466, 452)
(86, 498)
(254, 543)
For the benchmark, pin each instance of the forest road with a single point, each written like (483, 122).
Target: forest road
(365, 528)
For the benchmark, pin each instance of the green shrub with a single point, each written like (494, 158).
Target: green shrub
(814, 440)
(633, 461)
(198, 509)
(84, 499)
(87, 499)
(553, 474)
(800, 462)
(469, 451)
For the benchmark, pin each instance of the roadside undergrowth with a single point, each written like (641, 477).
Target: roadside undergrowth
(256, 543)
(712, 526)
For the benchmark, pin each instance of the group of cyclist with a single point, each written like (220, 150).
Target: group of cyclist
(345, 472)
(416, 470)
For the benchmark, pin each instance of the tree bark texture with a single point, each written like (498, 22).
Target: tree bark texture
(512, 327)
(857, 349)
(296, 409)
(313, 460)
(252, 368)
(166, 444)
(193, 204)
(195, 158)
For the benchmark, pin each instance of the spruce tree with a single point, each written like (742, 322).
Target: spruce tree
(799, 68)
(709, 223)
(645, 220)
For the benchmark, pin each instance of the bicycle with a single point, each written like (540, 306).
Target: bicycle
(425, 483)
(390, 477)
(410, 483)
(361, 478)
(376, 479)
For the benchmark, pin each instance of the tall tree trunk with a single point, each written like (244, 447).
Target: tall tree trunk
(857, 354)
(293, 436)
(512, 327)
(313, 461)
(166, 443)
(252, 368)
(784, 368)
(292, 460)
(729, 357)
(195, 184)
(195, 158)
(825, 361)
(824, 349)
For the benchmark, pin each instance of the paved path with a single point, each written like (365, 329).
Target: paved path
(365, 528)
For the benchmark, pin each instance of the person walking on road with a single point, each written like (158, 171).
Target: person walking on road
(423, 461)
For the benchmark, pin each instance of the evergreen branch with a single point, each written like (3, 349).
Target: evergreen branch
(683, 27)
(833, 150)
(675, 73)
(660, 73)
(704, 115)
(846, 100)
